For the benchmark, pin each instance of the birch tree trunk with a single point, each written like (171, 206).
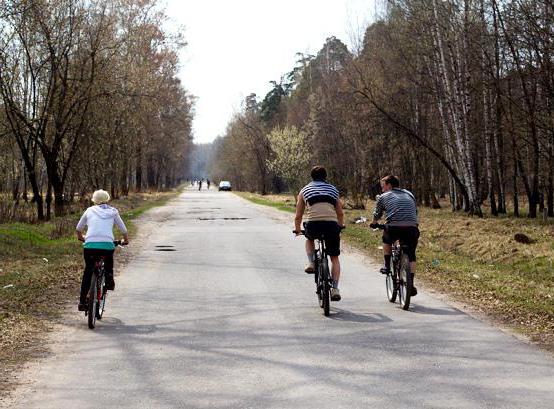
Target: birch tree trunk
(455, 76)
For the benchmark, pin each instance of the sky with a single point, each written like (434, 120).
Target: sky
(235, 47)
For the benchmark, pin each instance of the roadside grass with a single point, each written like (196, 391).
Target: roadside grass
(40, 271)
(280, 202)
(475, 261)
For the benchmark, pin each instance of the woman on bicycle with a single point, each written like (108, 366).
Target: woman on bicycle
(98, 242)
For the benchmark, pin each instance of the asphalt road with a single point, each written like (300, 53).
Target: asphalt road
(229, 320)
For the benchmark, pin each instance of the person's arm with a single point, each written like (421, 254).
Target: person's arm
(300, 207)
(379, 209)
(121, 226)
(340, 212)
(81, 227)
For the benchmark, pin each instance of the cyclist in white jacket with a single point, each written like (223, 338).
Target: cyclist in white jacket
(98, 241)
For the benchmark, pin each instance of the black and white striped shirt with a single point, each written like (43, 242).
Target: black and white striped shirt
(321, 199)
(399, 206)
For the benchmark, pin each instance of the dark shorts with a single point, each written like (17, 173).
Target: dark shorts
(331, 231)
(407, 235)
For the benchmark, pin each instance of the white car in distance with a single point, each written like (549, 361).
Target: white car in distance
(224, 185)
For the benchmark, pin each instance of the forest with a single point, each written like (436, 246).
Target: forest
(453, 96)
(89, 98)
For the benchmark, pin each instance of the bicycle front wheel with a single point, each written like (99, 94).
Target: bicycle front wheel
(92, 302)
(406, 282)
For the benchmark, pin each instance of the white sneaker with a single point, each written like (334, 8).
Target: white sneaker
(310, 268)
(335, 294)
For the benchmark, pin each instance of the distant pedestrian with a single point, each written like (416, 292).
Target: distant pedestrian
(200, 184)
(208, 183)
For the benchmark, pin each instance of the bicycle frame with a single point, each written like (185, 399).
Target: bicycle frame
(396, 253)
(96, 299)
(401, 274)
(99, 272)
(323, 284)
(322, 275)
(319, 254)
(400, 280)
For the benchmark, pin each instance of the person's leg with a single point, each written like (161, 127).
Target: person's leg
(310, 250)
(387, 255)
(335, 275)
(108, 265)
(413, 263)
(335, 270)
(88, 255)
(412, 272)
(410, 238)
(388, 239)
(332, 244)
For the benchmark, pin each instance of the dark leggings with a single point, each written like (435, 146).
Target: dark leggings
(91, 256)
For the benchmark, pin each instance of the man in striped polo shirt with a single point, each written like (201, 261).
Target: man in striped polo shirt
(400, 208)
(324, 215)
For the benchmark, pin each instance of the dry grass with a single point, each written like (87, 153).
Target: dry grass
(475, 261)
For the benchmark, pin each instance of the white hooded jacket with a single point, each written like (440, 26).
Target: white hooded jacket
(100, 220)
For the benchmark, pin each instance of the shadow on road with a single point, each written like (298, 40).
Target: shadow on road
(114, 325)
(349, 316)
(421, 309)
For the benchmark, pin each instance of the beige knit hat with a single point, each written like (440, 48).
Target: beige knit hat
(100, 196)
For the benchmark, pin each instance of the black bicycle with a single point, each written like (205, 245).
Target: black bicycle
(400, 280)
(322, 276)
(96, 298)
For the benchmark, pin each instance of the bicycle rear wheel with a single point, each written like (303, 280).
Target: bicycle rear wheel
(406, 283)
(325, 288)
(92, 301)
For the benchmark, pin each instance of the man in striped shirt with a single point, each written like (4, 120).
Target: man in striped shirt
(400, 208)
(325, 216)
